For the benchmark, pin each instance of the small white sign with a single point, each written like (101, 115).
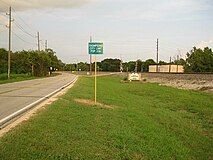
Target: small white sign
(134, 77)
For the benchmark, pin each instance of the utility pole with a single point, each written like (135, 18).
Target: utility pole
(121, 64)
(170, 61)
(77, 66)
(9, 48)
(46, 45)
(90, 59)
(157, 56)
(136, 66)
(38, 36)
(177, 62)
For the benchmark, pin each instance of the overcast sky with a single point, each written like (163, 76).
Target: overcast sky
(128, 28)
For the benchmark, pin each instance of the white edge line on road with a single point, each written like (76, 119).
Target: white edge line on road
(23, 110)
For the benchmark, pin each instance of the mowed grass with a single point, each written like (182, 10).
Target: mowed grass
(14, 78)
(20, 77)
(148, 122)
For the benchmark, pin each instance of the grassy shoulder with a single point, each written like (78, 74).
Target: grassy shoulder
(19, 77)
(14, 78)
(149, 122)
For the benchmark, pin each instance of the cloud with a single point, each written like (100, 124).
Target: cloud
(153, 10)
(21, 5)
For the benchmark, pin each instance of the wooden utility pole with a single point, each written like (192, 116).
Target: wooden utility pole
(38, 36)
(121, 64)
(177, 62)
(170, 61)
(90, 59)
(136, 66)
(157, 57)
(9, 47)
(46, 45)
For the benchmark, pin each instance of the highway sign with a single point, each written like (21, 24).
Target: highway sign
(95, 48)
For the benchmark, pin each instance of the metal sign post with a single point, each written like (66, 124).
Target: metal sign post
(95, 49)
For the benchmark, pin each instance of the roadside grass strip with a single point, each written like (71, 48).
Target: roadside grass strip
(14, 78)
(147, 121)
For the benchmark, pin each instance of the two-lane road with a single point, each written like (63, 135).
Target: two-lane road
(15, 96)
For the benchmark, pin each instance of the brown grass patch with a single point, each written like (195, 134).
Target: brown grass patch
(89, 102)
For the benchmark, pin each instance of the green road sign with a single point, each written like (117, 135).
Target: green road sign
(95, 48)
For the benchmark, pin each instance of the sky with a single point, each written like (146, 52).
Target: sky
(128, 28)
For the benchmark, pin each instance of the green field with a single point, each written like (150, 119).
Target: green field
(148, 122)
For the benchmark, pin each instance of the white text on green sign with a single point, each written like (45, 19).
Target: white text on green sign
(95, 48)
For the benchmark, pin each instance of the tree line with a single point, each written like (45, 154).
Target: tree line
(197, 61)
(36, 63)
(39, 63)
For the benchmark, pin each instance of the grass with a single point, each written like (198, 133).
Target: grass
(20, 77)
(14, 78)
(149, 122)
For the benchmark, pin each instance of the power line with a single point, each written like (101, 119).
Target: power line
(23, 39)
(30, 27)
(21, 19)
(3, 15)
(23, 30)
(21, 27)
(5, 4)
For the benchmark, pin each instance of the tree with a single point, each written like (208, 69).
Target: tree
(145, 65)
(131, 66)
(70, 67)
(37, 63)
(112, 65)
(20, 62)
(180, 62)
(3, 61)
(140, 64)
(199, 60)
(162, 63)
(83, 66)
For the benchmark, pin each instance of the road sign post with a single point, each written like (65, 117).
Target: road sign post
(95, 49)
(95, 79)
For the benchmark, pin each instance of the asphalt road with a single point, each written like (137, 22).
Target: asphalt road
(15, 96)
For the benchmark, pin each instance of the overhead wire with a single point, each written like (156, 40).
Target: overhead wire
(23, 30)
(22, 39)
(19, 26)
(131, 43)
(6, 4)
(23, 21)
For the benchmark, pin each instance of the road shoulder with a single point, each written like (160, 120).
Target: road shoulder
(32, 112)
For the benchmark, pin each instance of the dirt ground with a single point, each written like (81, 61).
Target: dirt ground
(89, 102)
(201, 82)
